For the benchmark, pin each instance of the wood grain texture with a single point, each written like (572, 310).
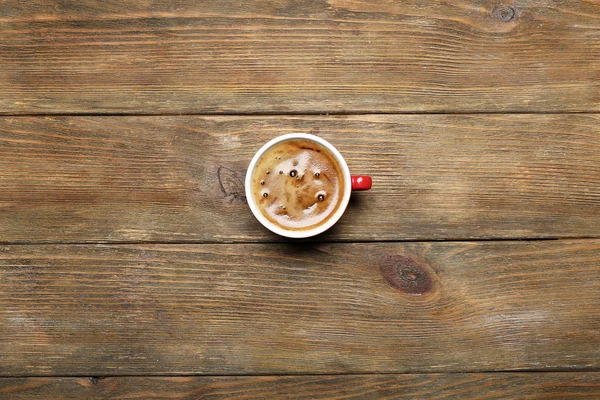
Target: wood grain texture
(491, 386)
(177, 179)
(185, 56)
(299, 308)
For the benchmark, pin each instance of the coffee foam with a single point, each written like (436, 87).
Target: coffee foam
(298, 184)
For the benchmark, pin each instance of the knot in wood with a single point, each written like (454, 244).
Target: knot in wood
(407, 274)
(231, 185)
(504, 13)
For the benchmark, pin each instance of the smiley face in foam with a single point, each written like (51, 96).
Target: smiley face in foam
(298, 184)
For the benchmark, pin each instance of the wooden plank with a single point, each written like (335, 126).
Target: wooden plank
(531, 386)
(299, 308)
(178, 179)
(131, 56)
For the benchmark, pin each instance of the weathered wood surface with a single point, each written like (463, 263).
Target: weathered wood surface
(299, 308)
(173, 179)
(490, 386)
(131, 56)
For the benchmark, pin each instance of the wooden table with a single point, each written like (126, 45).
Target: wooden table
(132, 268)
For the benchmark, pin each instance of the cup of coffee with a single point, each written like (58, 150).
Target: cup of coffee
(298, 185)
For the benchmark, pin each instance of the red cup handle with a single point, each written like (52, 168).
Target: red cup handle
(361, 182)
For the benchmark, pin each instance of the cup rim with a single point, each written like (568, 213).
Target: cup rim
(305, 233)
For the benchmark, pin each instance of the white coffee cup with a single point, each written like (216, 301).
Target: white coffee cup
(350, 183)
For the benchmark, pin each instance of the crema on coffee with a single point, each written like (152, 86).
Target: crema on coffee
(298, 184)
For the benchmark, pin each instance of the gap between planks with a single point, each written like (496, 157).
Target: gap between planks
(355, 374)
(286, 241)
(295, 114)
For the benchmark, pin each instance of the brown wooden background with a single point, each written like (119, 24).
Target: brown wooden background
(132, 268)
